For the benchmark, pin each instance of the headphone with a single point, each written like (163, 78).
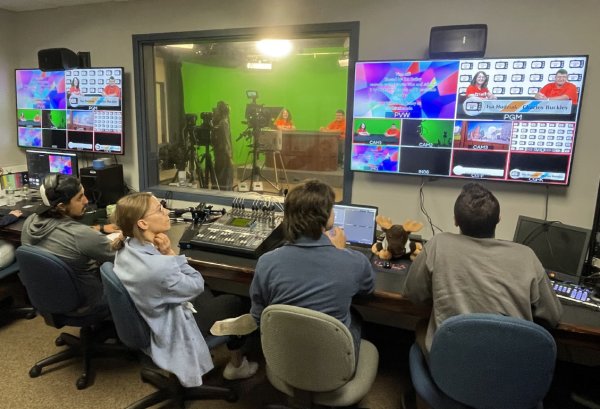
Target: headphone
(48, 189)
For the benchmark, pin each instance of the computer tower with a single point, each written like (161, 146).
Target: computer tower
(103, 186)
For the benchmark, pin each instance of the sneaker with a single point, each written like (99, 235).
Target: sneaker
(245, 370)
(242, 325)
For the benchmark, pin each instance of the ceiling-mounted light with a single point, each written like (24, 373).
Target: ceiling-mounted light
(259, 65)
(274, 48)
(185, 46)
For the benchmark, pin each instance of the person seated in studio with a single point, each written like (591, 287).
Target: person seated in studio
(479, 86)
(170, 295)
(338, 125)
(362, 130)
(284, 120)
(472, 272)
(393, 131)
(56, 228)
(313, 269)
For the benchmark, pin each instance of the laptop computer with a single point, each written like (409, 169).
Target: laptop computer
(359, 225)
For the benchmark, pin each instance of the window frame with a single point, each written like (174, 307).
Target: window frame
(145, 105)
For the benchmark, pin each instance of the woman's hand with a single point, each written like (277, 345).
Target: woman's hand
(16, 213)
(163, 244)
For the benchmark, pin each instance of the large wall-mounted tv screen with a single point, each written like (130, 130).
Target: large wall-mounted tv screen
(510, 119)
(77, 110)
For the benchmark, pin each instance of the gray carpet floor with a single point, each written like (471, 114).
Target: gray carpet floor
(116, 382)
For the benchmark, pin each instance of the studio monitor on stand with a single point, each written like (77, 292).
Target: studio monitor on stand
(463, 41)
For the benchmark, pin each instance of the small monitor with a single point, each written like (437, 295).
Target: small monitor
(358, 223)
(561, 248)
(13, 181)
(40, 163)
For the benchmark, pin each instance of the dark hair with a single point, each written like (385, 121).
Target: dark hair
(562, 71)
(477, 211)
(56, 189)
(340, 111)
(306, 210)
(474, 80)
(280, 116)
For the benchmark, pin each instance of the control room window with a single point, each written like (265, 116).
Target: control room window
(248, 110)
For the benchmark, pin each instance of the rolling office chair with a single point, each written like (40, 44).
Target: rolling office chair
(52, 291)
(485, 361)
(310, 357)
(135, 333)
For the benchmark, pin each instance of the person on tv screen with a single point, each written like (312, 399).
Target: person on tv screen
(74, 89)
(490, 275)
(338, 125)
(393, 131)
(111, 89)
(478, 87)
(559, 89)
(313, 269)
(362, 130)
(37, 118)
(171, 296)
(22, 118)
(284, 120)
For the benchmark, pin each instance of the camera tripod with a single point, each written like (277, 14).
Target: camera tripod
(193, 162)
(256, 174)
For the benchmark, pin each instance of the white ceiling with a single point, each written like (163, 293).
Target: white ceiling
(29, 5)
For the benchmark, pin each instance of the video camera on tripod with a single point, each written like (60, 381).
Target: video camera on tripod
(200, 134)
(256, 115)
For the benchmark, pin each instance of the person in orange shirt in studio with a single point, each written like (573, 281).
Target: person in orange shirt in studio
(338, 125)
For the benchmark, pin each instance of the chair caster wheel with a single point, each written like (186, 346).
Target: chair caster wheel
(59, 342)
(35, 371)
(30, 315)
(82, 382)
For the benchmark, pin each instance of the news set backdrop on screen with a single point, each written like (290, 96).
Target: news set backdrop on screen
(77, 110)
(511, 119)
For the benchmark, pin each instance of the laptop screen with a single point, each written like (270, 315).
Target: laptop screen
(358, 223)
(561, 248)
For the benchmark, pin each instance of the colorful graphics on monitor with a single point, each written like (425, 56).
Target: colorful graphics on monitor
(65, 104)
(511, 119)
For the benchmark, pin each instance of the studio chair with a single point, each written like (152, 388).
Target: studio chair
(485, 361)
(134, 332)
(310, 358)
(8, 311)
(52, 291)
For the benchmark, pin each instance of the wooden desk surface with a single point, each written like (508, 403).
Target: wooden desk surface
(579, 326)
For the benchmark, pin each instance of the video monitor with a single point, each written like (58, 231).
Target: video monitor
(40, 163)
(507, 119)
(562, 249)
(73, 110)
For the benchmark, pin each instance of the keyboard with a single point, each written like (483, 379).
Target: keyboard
(574, 294)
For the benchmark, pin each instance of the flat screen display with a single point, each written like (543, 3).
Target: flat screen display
(41, 163)
(508, 119)
(76, 110)
(561, 248)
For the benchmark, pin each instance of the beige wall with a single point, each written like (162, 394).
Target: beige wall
(389, 29)
(9, 153)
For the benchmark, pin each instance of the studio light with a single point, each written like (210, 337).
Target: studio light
(274, 48)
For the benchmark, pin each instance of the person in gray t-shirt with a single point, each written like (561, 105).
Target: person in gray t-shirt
(473, 272)
(55, 228)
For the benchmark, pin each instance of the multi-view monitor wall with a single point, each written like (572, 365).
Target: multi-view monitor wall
(76, 110)
(510, 119)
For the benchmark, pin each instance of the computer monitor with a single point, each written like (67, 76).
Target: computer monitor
(13, 181)
(561, 248)
(40, 163)
(358, 223)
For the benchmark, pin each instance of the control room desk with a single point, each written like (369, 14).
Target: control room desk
(579, 326)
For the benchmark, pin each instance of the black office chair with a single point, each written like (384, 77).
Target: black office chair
(135, 333)
(485, 361)
(51, 288)
(8, 310)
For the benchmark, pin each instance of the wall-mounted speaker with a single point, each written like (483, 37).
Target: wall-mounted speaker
(464, 41)
(55, 59)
